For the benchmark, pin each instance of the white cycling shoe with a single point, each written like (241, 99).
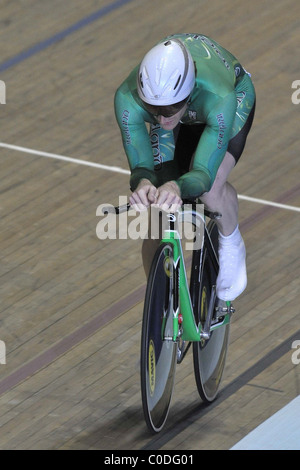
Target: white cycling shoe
(232, 278)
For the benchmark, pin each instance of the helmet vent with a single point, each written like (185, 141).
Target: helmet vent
(166, 74)
(177, 83)
(141, 80)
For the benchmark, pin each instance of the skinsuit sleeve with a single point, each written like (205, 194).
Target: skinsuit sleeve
(212, 145)
(131, 119)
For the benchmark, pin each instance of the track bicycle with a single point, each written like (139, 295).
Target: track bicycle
(178, 313)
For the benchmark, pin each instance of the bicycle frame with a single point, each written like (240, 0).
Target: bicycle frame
(172, 310)
(182, 300)
(183, 310)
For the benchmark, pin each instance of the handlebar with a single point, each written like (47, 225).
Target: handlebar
(126, 207)
(116, 210)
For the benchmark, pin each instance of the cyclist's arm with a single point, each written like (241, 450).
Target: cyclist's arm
(135, 137)
(210, 150)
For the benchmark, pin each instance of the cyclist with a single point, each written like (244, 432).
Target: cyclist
(199, 102)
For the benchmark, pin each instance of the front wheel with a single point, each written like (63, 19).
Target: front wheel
(209, 355)
(158, 350)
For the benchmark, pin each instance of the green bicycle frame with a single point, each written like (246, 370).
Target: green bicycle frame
(191, 331)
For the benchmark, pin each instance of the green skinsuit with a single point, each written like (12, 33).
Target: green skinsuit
(222, 99)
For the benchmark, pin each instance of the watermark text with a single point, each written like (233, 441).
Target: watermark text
(296, 94)
(151, 223)
(2, 92)
(2, 352)
(296, 354)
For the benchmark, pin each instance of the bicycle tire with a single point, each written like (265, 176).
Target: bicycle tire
(209, 356)
(158, 355)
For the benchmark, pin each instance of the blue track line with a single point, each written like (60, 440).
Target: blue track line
(62, 34)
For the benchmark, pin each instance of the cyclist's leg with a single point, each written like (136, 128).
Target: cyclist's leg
(222, 197)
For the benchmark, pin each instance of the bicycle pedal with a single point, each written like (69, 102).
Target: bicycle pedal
(222, 308)
(223, 303)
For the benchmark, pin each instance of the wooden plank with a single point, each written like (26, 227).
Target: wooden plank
(57, 276)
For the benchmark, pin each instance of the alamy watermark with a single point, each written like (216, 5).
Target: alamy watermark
(296, 94)
(296, 354)
(2, 92)
(151, 223)
(2, 353)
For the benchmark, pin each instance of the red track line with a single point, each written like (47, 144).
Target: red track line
(68, 342)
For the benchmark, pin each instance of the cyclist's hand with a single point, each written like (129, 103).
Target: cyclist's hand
(143, 196)
(168, 197)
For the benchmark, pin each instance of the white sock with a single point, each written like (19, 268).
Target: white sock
(234, 238)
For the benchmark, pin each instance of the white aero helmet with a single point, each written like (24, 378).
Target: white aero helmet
(166, 74)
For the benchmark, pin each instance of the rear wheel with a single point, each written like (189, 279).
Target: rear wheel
(158, 350)
(209, 355)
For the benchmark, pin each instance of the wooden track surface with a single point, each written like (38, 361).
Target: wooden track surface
(70, 304)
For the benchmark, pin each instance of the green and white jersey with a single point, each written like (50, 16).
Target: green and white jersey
(222, 99)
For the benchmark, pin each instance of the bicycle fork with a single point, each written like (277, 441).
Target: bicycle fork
(205, 333)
